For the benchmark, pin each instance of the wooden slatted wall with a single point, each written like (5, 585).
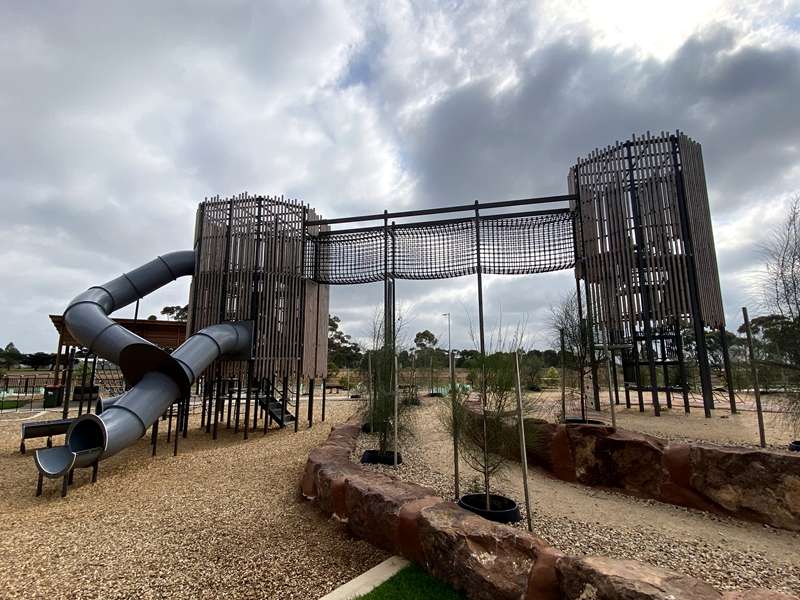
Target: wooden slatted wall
(251, 266)
(609, 181)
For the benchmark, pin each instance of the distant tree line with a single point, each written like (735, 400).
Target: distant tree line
(426, 354)
(12, 358)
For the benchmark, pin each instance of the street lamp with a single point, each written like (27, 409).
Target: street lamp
(449, 343)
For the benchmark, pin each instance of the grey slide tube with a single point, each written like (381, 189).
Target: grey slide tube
(158, 378)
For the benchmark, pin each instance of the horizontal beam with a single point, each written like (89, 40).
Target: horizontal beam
(444, 210)
(420, 224)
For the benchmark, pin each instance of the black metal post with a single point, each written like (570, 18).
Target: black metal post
(754, 372)
(563, 377)
(255, 296)
(256, 403)
(216, 400)
(682, 367)
(68, 382)
(311, 402)
(324, 393)
(222, 313)
(170, 410)
(83, 384)
(207, 391)
(482, 335)
(91, 383)
(726, 361)
(665, 370)
(580, 272)
(587, 291)
(238, 404)
(644, 285)
(192, 325)
(694, 290)
(301, 329)
(179, 419)
(154, 435)
(230, 402)
(614, 377)
(270, 396)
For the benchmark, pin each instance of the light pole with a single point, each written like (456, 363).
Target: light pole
(449, 341)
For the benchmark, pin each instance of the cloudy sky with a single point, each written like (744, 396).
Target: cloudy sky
(118, 118)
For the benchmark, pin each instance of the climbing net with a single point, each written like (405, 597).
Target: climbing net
(436, 250)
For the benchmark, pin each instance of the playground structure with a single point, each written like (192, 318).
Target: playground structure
(635, 225)
(645, 254)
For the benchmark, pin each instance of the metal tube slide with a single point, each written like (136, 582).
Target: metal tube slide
(158, 379)
(127, 419)
(86, 317)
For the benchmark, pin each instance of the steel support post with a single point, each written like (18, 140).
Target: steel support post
(301, 328)
(754, 372)
(311, 385)
(324, 394)
(694, 290)
(726, 361)
(482, 337)
(643, 279)
(68, 382)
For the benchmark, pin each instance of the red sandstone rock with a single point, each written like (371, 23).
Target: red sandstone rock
(757, 484)
(485, 560)
(676, 488)
(617, 458)
(409, 544)
(600, 578)
(543, 577)
(373, 503)
(561, 460)
(330, 482)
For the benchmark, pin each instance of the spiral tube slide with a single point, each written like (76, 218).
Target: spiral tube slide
(157, 378)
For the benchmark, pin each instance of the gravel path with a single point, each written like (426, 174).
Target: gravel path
(222, 519)
(727, 553)
(722, 427)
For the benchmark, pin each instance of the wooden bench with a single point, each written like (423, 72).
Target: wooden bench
(37, 429)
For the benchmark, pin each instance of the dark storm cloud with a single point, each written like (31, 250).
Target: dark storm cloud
(739, 102)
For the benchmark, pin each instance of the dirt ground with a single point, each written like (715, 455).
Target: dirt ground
(222, 519)
(726, 552)
(740, 429)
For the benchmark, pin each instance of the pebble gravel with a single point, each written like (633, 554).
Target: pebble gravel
(578, 520)
(221, 520)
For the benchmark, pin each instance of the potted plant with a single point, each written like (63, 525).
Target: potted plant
(479, 427)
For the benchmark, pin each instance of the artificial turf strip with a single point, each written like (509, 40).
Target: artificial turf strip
(412, 583)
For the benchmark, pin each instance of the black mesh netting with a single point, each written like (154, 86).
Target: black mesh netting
(508, 246)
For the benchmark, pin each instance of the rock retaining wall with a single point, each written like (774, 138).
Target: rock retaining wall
(757, 485)
(482, 559)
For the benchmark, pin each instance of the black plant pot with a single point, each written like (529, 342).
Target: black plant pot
(582, 421)
(794, 446)
(376, 457)
(502, 509)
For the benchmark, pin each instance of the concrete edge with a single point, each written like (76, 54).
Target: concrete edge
(368, 581)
